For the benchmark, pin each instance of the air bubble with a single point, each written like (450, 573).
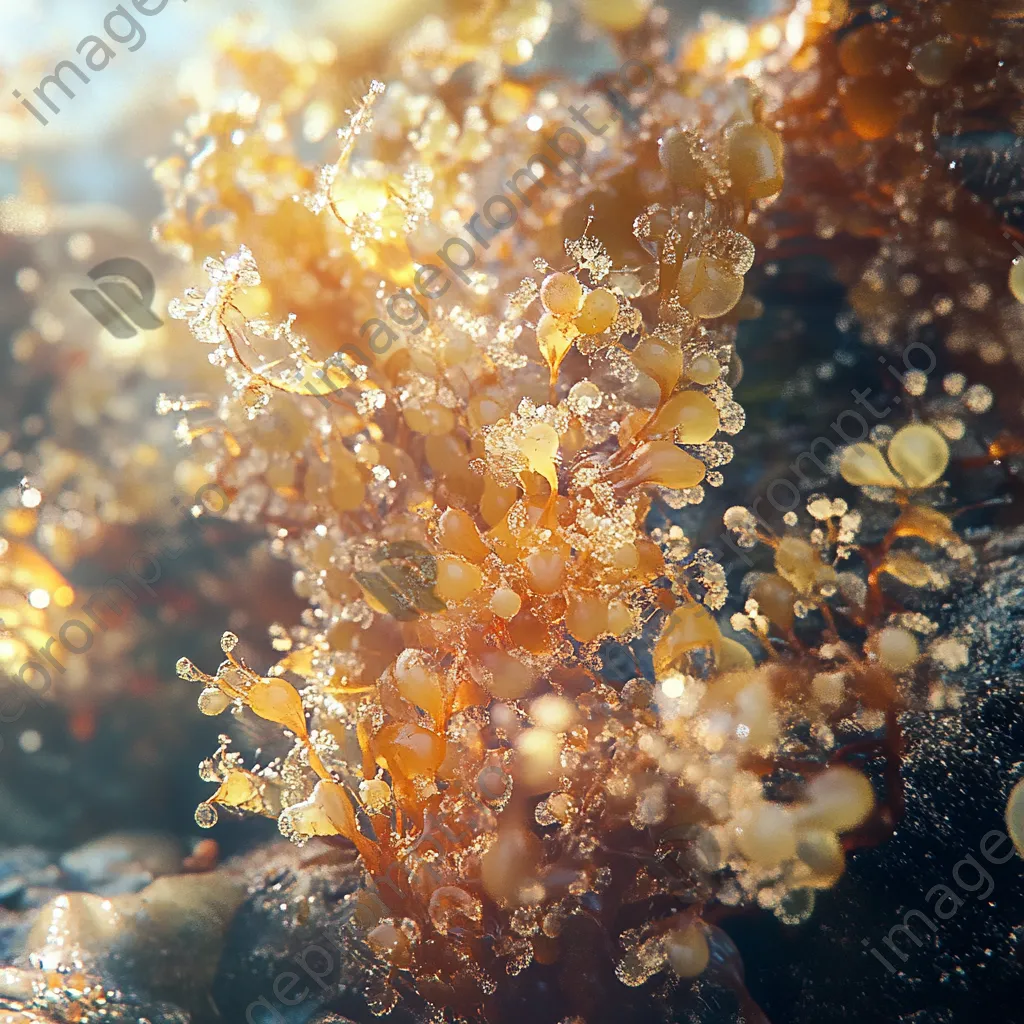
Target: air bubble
(206, 815)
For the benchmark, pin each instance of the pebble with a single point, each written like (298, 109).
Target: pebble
(159, 947)
(122, 862)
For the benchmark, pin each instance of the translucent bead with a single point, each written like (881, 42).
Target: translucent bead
(505, 603)
(863, 465)
(1017, 279)
(213, 700)
(418, 683)
(504, 676)
(755, 161)
(625, 557)
(829, 688)
(797, 561)
(707, 287)
(450, 904)
(737, 250)
(691, 414)
(871, 108)
(1015, 816)
(907, 569)
(456, 579)
(775, 597)
(561, 294)
(839, 799)
(410, 750)
(486, 408)
(545, 570)
(206, 815)
(687, 951)
(733, 656)
(586, 617)
(600, 311)
(919, 454)
(492, 784)
(823, 854)
(375, 795)
(389, 943)
(935, 62)
(620, 618)
(703, 369)
(766, 835)
(678, 151)
(866, 50)
(896, 648)
(496, 500)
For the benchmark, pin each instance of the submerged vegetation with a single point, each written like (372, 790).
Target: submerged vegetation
(468, 737)
(544, 716)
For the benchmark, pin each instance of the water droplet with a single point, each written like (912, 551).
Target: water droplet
(206, 815)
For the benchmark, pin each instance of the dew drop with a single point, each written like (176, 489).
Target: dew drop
(206, 815)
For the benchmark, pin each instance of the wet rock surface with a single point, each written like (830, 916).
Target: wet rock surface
(958, 767)
(148, 952)
(122, 862)
(112, 926)
(285, 955)
(259, 939)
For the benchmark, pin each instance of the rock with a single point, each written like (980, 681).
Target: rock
(24, 1018)
(285, 957)
(121, 862)
(28, 876)
(16, 984)
(958, 767)
(159, 947)
(259, 940)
